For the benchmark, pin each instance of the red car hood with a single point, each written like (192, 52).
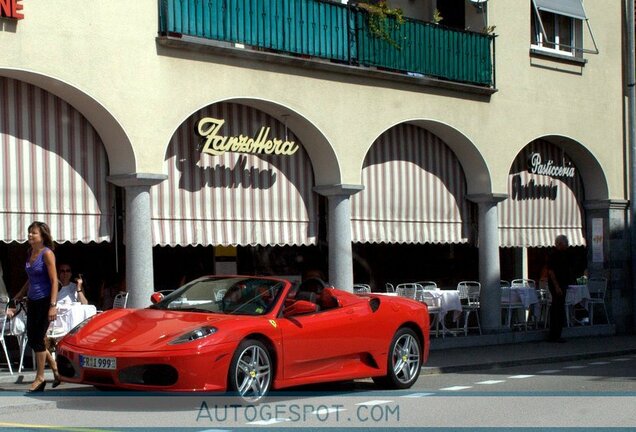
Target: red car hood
(144, 329)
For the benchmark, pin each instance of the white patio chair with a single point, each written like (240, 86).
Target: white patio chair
(520, 283)
(361, 288)
(469, 293)
(6, 332)
(410, 290)
(428, 285)
(389, 287)
(523, 283)
(508, 305)
(434, 309)
(545, 302)
(120, 301)
(598, 288)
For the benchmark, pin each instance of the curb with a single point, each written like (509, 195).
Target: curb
(433, 370)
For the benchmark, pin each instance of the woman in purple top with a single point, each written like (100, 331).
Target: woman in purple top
(41, 290)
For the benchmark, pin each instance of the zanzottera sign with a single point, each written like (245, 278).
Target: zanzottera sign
(532, 190)
(216, 144)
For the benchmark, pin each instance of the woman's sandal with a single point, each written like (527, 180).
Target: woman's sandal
(56, 379)
(38, 388)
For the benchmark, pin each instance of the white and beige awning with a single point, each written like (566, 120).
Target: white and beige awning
(545, 196)
(234, 198)
(414, 191)
(53, 167)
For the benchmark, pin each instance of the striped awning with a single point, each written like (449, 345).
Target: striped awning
(53, 167)
(545, 196)
(234, 198)
(414, 191)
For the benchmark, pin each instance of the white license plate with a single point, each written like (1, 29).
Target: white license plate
(98, 362)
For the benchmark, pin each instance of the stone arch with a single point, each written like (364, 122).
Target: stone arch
(475, 169)
(428, 170)
(594, 179)
(121, 156)
(327, 170)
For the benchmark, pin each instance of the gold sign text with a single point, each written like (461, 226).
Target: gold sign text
(216, 144)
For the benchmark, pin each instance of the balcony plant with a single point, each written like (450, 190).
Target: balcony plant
(382, 19)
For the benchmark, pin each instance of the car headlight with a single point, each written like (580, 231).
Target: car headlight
(193, 335)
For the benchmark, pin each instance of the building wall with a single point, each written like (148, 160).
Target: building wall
(104, 58)
(108, 52)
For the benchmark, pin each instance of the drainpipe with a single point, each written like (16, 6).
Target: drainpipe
(631, 131)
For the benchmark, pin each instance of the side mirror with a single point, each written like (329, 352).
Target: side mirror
(156, 297)
(300, 307)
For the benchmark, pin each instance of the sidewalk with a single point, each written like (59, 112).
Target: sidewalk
(531, 352)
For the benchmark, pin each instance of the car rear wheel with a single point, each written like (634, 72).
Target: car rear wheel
(404, 362)
(251, 371)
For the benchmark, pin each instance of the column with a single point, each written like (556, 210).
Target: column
(489, 268)
(138, 235)
(339, 233)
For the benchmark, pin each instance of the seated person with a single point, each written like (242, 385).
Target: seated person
(322, 295)
(70, 292)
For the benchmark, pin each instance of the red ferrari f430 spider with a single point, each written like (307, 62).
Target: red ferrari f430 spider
(247, 335)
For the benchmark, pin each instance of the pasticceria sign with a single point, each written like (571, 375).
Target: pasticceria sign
(217, 144)
(11, 9)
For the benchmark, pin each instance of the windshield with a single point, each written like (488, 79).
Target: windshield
(239, 295)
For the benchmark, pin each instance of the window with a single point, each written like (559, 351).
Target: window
(557, 27)
(561, 34)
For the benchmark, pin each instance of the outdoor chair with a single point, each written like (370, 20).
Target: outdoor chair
(361, 288)
(410, 290)
(469, 294)
(597, 287)
(120, 301)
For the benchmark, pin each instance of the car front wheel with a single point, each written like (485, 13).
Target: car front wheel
(251, 371)
(404, 362)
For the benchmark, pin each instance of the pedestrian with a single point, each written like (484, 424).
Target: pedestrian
(72, 292)
(41, 289)
(560, 275)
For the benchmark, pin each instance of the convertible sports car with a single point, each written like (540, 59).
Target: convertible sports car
(247, 335)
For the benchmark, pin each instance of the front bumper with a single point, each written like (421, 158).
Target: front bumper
(178, 370)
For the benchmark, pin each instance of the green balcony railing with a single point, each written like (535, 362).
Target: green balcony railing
(335, 32)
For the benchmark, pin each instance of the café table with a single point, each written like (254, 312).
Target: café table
(575, 294)
(521, 295)
(449, 301)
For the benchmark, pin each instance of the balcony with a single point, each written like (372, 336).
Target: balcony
(335, 33)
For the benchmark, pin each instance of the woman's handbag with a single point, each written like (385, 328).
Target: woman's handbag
(18, 321)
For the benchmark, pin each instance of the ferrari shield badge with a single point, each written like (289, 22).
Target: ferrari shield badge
(273, 323)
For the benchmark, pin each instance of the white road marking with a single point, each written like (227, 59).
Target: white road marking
(598, 363)
(549, 371)
(575, 367)
(375, 402)
(490, 382)
(269, 422)
(456, 388)
(520, 376)
(417, 395)
(325, 410)
(621, 359)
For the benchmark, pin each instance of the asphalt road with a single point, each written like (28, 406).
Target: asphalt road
(582, 393)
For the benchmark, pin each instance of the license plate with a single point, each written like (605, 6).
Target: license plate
(98, 362)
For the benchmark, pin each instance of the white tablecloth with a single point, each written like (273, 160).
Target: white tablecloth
(577, 294)
(68, 316)
(448, 301)
(527, 296)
